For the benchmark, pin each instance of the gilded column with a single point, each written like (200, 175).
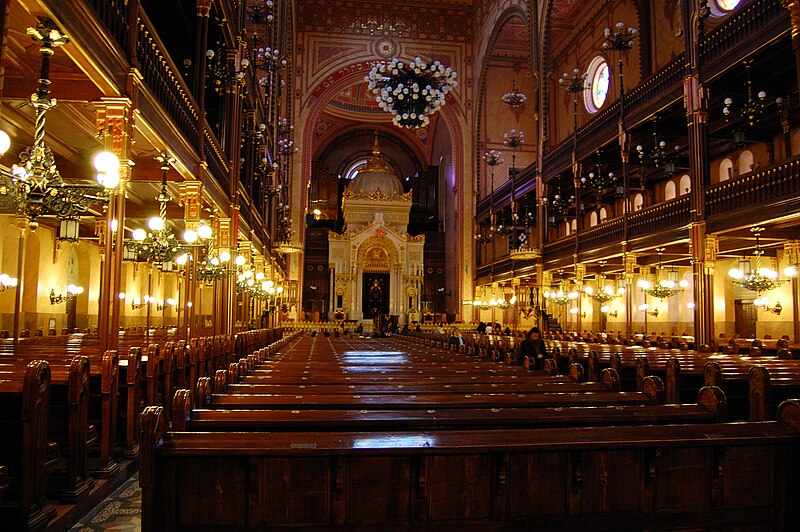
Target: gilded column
(221, 299)
(190, 194)
(631, 263)
(113, 128)
(791, 252)
(696, 105)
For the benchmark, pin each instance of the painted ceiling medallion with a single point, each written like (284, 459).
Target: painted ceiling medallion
(386, 48)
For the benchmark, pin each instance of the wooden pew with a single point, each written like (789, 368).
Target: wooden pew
(721, 476)
(24, 406)
(68, 425)
(711, 407)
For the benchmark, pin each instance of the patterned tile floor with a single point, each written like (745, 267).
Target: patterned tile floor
(121, 511)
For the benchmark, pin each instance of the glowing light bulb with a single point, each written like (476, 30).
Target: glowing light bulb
(190, 236)
(155, 223)
(139, 234)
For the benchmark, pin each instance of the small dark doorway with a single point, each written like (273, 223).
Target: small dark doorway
(746, 316)
(375, 295)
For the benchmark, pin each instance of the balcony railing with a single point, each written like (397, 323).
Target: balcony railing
(652, 220)
(606, 234)
(113, 15)
(215, 160)
(161, 76)
(760, 187)
(739, 32)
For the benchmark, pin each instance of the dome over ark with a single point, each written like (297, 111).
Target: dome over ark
(376, 176)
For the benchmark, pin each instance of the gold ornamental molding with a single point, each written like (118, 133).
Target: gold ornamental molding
(378, 196)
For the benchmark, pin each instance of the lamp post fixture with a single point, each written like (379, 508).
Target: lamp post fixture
(620, 40)
(574, 85)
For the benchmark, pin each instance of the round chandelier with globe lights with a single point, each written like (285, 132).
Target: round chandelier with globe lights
(411, 91)
(759, 279)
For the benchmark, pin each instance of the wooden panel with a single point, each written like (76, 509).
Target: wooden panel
(682, 478)
(211, 492)
(459, 486)
(611, 481)
(538, 484)
(746, 467)
(378, 490)
(297, 491)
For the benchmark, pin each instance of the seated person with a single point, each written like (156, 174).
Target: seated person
(488, 329)
(418, 328)
(440, 329)
(360, 329)
(507, 331)
(533, 347)
(456, 338)
(325, 332)
(405, 328)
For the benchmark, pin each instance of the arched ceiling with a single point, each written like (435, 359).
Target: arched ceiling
(357, 99)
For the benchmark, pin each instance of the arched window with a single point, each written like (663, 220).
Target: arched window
(599, 76)
(720, 8)
(568, 228)
(725, 169)
(745, 162)
(574, 225)
(669, 190)
(603, 214)
(685, 185)
(638, 202)
(593, 219)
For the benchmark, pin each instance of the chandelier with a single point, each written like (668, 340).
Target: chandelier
(560, 204)
(219, 72)
(604, 293)
(662, 288)
(485, 234)
(758, 280)
(160, 246)
(34, 187)
(750, 112)
(411, 92)
(514, 98)
(558, 296)
(658, 156)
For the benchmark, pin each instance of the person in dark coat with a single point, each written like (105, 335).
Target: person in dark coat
(533, 347)
(481, 327)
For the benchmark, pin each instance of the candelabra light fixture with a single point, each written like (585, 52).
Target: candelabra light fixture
(513, 139)
(159, 245)
(514, 98)
(220, 75)
(558, 296)
(662, 287)
(760, 279)
(749, 113)
(34, 187)
(658, 156)
(619, 39)
(604, 292)
(411, 91)
(73, 291)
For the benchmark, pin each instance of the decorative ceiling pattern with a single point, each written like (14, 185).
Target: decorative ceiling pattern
(564, 16)
(427, 21)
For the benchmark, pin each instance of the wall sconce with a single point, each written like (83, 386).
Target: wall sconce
(605, 309)
(72, 292)
(763, 302)
(653, 312)
(574, 312)
(7, 282)
(137, 303)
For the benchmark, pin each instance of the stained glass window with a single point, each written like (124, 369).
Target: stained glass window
(600, 85)
(728, 5)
